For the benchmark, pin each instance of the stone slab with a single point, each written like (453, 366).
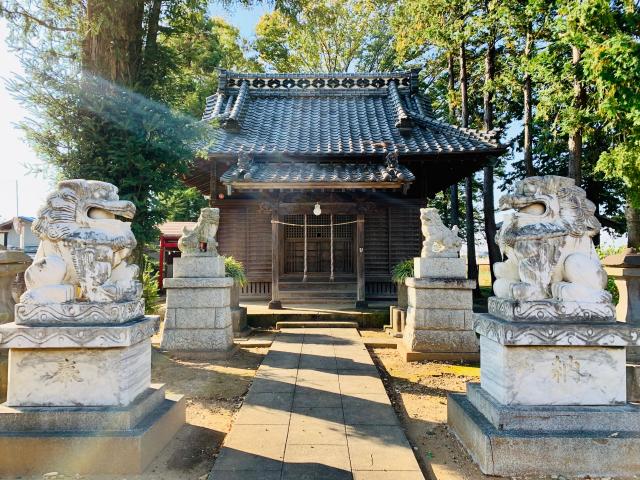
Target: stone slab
(380, 447)
(317, 426)
(442, 298)
(413, 356)
(321, 462)
(198, 267)
(439, 267)
(633, 383)
(198, 297)
(197, 339)
(222, 282)
(77, 313)
(64, 336)
(86, 453)
(252, 447)
(459, 341)
(551, 311)
(81, 419)
(368, 409)
(441, 283)
(239, 321)
(439, 318)
(191, 318)
(609, 418)
(78, 377)
(550, 375)
(508, 333)
(521, 453)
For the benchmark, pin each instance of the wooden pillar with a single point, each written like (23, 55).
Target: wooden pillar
(360, 299)
(161, 264)
(275, 302)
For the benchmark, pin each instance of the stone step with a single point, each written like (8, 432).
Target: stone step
(316, 324)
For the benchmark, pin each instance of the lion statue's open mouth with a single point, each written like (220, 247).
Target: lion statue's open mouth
(84, 246)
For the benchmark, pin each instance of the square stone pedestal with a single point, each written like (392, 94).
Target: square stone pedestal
(552, 395)
(439, 313)
(79, 399)
(198, 317)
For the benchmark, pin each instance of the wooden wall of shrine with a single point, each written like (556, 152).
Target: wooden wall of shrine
(391, 234)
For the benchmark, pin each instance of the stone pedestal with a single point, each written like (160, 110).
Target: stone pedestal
(238, 314)
(11, 264)
(79, 397)
(439, 312)
(552, 397)
(198, 318)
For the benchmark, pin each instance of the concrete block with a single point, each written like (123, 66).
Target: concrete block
(550, 375)
(326, 462)
(437, 318)
(439, 267)
(517, 453)
(73, 377)
(205, 339)
(380, 447)
(548, 418)
(444, 341)
(200, 297)
(239, 321)
(198, 267)
(85, 453)
(454, 299)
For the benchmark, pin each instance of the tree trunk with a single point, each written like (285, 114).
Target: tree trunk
(112, 46)
(455, 208)
(575, 138)
(488, 200)
(151, 43)
(472, 266)
(633, 227)
(451, 86)
(464, 98)
(528, 109)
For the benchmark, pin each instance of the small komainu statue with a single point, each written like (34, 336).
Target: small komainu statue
(83, 247)
(547, 242)
(439, 241)
(201, 240)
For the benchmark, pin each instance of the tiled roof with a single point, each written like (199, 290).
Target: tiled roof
(318, 173)
(332, 115)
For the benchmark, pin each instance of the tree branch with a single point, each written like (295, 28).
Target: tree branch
(609, 223)
(43, 23)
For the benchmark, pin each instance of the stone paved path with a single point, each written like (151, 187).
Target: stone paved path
(317, 409)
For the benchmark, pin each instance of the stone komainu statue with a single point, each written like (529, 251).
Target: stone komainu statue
(547, 242)
(201, 240)
(83, 247)
(439, 241)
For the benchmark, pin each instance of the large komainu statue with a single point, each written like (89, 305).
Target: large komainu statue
(547, 242)
(201, 240)
(439, 241)
(84, 248)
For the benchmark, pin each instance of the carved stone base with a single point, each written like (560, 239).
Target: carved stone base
(527, 441)
(89, 440)
(551, 311)
(79, 313)
(86, 376)
(439, 267)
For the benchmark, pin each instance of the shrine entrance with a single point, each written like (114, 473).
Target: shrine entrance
(319, 247)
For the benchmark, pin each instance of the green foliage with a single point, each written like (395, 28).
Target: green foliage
(327, 36)
(182, 204)
(150, 292)
(235, 269)
(402, 271)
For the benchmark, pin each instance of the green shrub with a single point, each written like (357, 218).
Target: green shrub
(611, 285)
(402, 271)
(150, 286)
(235, 269)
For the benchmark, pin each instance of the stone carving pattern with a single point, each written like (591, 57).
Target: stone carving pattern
(201, 240)
(550, 310)
(83, 247)
(87, 313)
(73, 336)
(576, 334)
(547, 242)
(439, 241)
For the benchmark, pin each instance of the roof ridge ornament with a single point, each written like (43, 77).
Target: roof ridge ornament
(404, 121)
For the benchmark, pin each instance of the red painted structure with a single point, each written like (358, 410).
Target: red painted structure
(170, 232)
